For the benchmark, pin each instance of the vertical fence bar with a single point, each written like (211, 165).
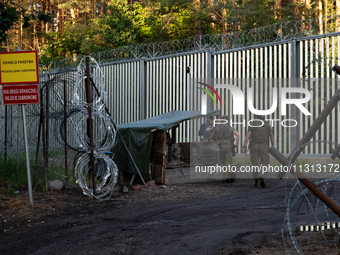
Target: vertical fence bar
(316, 89)
(153, 88)
(171, 82)
(121, 94)
(234, 82)
(167, 89)
(181, 103)
(227, 79)
(322, 99)
(65, 126)
(126, 112)
(307, 120)
(338, 112)
(294, 70)
(275, 83)
(163, 85)
(299, 76)
(195, 99)
(47, 113)
(311, 75)
(210, 75)
(257, 76)
(231, 82)
(249, 77)
(264, 81)
(156, 87)
(328, 97)
(285, 80)
(142, 88)
(270, 84)
(333, 84)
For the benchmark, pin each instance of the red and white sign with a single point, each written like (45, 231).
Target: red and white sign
(20, 94)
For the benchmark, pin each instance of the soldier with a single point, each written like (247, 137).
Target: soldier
(259, 132)
(225, 137)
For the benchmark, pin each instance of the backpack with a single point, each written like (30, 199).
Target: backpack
(223, 132)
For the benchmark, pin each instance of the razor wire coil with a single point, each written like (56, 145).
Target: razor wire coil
(104, 134)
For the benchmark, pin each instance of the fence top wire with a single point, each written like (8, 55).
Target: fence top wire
(275, 33)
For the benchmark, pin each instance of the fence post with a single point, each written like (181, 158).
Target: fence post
(142, 81)
(210, 77)
(295, 82)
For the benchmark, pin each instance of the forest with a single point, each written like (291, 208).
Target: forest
(64, 28)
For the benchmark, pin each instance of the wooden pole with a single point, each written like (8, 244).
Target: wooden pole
(90, 124)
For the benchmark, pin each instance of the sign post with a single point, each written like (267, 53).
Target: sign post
(28, 167)
(19, 75)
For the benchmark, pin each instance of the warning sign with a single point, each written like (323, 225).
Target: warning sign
(20, 67)
(20, 94)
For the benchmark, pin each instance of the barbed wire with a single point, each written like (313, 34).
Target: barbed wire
(277, 32)
(304, 208)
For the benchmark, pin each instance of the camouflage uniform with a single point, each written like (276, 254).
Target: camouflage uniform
(259, 145)
(225, 137)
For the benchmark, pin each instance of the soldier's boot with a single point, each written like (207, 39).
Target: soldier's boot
(262, 183)
(256, 181)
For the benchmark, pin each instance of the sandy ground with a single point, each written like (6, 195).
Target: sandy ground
(200, 218)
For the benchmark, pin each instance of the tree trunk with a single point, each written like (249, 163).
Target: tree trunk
(103, 7)
(42, 23)
(198, 27)
(52, 9)
(58, 21)
(62, 20)
(224, 27)
(198, 24)
(19, 31)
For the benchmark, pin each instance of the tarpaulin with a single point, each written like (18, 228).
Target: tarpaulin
(138, 138)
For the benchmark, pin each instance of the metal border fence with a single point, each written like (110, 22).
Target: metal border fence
(141, 87)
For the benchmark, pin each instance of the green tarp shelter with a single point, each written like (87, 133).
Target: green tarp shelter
(138, 138)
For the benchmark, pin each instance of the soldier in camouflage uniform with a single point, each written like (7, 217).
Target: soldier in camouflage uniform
(259, 132)
(225, 137)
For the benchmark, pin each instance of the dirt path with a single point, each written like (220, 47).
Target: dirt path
(205, 218)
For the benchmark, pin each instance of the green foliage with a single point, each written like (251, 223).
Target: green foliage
(30, 17)
(80, 6)
(78, 38)
(124, 25)
(8, 15)
(46, 17)
(169, 19)
(156, 20)
(253, 12)
(60, 45)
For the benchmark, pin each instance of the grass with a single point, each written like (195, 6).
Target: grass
(13, 173)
